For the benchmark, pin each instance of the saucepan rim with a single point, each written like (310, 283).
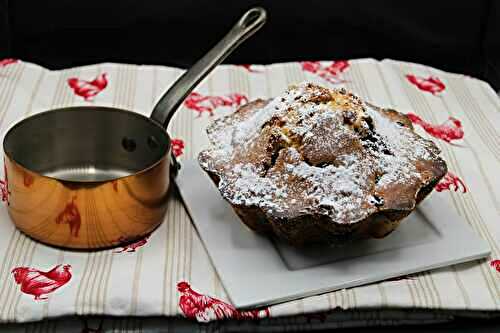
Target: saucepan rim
(139, 116)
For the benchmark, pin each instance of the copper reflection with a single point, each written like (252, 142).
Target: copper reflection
(87, 215)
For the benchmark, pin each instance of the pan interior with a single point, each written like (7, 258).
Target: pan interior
(86, 144)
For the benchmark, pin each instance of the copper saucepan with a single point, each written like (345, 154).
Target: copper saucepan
(94, 177)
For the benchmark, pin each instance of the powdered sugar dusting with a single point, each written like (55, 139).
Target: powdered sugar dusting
(316, 151)
(337, 191)
(405, 148)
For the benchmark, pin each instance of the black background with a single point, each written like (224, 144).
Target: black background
(458, 36)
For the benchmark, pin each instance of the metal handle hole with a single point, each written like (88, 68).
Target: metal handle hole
(129, 144)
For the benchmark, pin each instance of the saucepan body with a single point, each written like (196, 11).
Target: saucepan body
(87, 177)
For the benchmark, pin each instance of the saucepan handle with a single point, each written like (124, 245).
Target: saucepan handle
(247, 25)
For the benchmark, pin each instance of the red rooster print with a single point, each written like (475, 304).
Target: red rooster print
(208, 104)
(204, 308)
(8, 61)
(70, 216)
(132, 246)
(432, 84)
(249, 68)
(177, 147)
(450, 180)
(4, 188)
(448, 131)
(37, 283)
(4, 185)
(329, 73)
(495, 264)
(88, 89)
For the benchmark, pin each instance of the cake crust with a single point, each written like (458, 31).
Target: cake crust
(318, 165)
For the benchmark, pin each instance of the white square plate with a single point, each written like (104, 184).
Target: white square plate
(257, 271)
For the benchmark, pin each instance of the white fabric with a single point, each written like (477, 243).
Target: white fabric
(143, 283)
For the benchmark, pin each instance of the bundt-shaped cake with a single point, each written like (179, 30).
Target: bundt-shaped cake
(318, 165)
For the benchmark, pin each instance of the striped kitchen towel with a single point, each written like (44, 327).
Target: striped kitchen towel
(169, 273)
